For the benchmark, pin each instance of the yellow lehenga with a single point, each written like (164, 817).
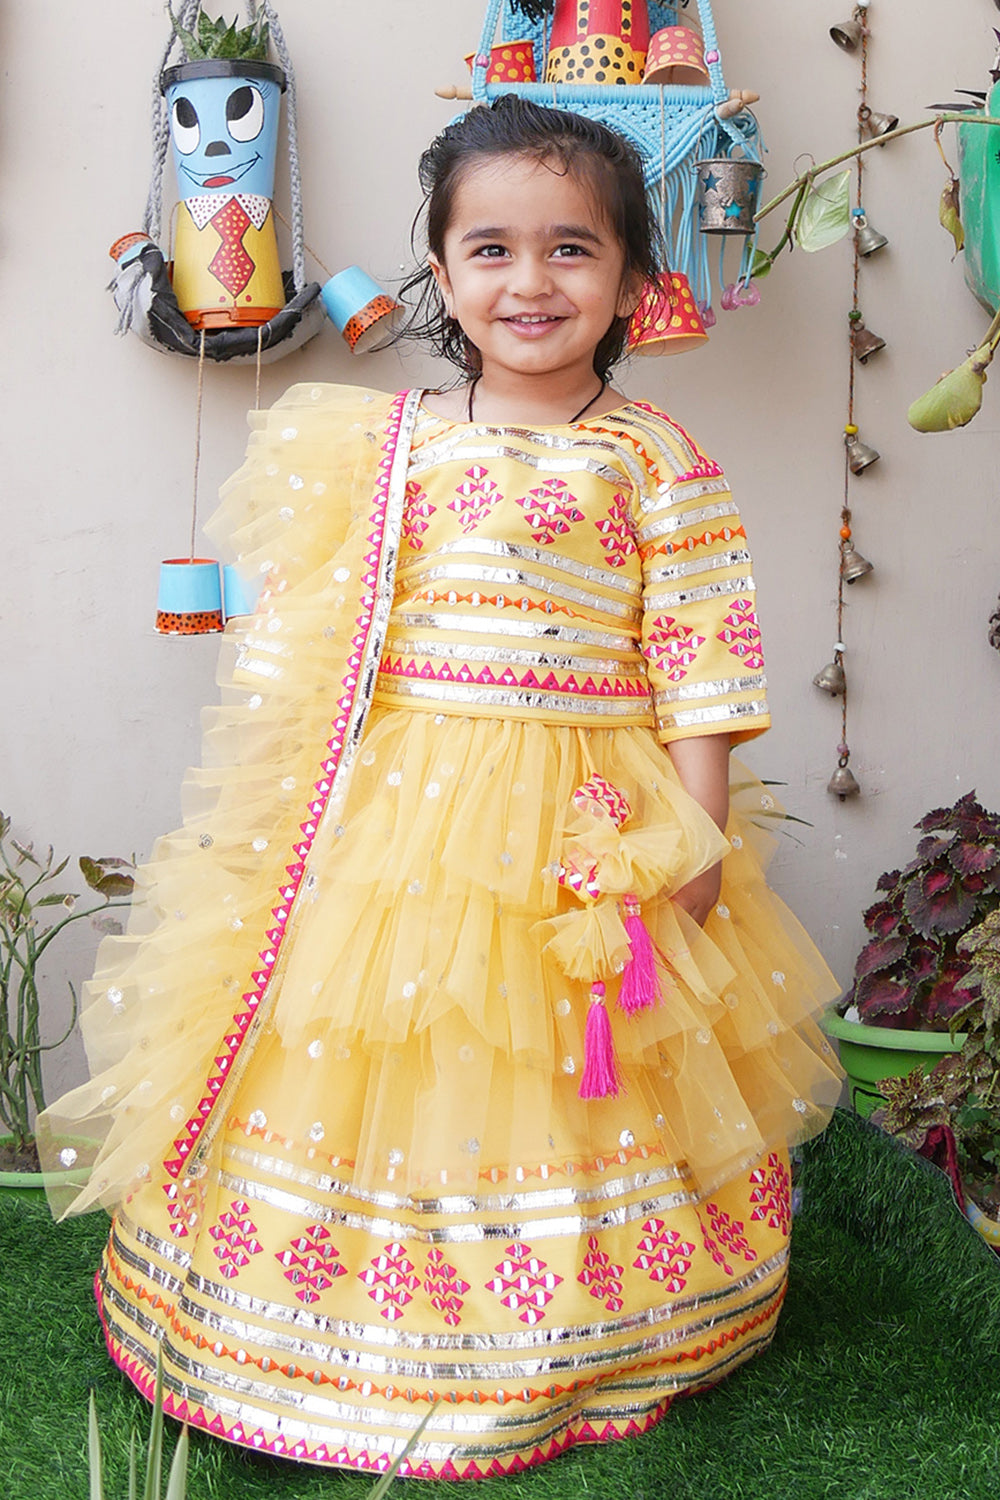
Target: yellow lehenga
(338, 1057)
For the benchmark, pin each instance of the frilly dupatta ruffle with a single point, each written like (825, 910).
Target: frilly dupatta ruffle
(612, 870)
(276, 760)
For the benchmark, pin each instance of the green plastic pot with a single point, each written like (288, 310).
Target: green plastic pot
(26, 1183)
(870, 1053)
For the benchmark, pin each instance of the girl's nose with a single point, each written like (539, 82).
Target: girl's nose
(530, 277)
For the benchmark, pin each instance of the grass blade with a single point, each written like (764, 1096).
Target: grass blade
(390, 1474)
(154, 1460)
(94, 1453)
(133, 1467)
(177, 1483)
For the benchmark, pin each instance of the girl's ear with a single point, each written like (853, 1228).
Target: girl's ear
(630, 295)
(444, 285)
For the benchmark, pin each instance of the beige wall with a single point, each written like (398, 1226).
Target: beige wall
(100, 715)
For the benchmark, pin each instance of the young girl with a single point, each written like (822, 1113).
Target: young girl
(438, 1080)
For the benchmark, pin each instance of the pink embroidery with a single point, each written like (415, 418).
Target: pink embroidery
(616, 530)
(417, 511)
(311, 1263)
(184, 1206)
(743, 636)
(771, 1192)
(601, 1276)
(236, 1234)
(445, 1287)
(664, 1256)
(672, 647)
(474, 498)
(524, 1283)
(607, 687)
(549, 510)
(391, 1281)
(724, 1233)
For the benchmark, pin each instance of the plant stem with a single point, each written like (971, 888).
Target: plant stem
(803, 181)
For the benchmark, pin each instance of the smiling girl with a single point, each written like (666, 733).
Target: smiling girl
(449, 1067)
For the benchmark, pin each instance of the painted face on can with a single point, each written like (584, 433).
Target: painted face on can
(224, 132)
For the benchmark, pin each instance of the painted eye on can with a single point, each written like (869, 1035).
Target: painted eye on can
(184, 125)
(245, 113)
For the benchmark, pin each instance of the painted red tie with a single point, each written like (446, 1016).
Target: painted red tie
(231, 265)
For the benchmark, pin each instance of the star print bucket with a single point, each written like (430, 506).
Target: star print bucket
(728, 190)
(224, 130)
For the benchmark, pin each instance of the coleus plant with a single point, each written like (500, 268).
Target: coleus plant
(912, 973)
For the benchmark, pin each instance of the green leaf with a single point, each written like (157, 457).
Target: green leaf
(954, 399)
(94, 1453)
(948, 213)
(825, 215)
(56, 898)
(760, 264)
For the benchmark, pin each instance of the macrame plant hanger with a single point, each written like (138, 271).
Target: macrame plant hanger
(669, 124)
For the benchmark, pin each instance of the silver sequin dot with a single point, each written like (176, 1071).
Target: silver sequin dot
(342, 1054)
(703, 1035)
(395, 1158)
(659, 1122)
(236, 923)
(317, 987)
(415, 888)
(731, 1000)
(563, 1007)
(257, 1120)
(778, 978)
(315, 1049)
(116, 1000)
(667, 1073)
(295, 481)
(409, 990)
(394, 778)
(722, 911)
(274, 625)
(741, 1124)
(368, 757)
(254, 701)
(67, 1156)
(518, 789)
(259, 845)
(439, 718)
(800, 1106)
(206, 841)
(736, 841)
(316, 1132)
(286, 513)
(289, 432)
(339, 831)
(466, 1054)
(432, 789)
(270, 470)
(108, 1092)
(265, 567)
(772, 1028)
(341, 575)
(177, 1111)
(319, 488)
(767, 802)
(506, 858)
(288, 785)
(626, 1138)
(142, 1170)
(471, 1145)
(569, 1065)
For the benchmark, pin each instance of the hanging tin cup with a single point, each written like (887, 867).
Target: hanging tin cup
(360, 310)
(224, 127)
(728, 190)
(189, 601)
(508, 62)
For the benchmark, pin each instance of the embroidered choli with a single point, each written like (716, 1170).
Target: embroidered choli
(595, 574)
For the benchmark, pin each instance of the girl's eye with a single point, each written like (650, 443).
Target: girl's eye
(570, 250)
(491, 252)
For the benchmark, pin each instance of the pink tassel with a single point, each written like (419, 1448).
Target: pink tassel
(640, 982)
(600, 1067)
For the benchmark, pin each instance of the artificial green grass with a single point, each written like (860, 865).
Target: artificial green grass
(882, 1382)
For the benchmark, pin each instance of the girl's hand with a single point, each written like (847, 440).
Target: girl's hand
(700, 895)
(702, 763)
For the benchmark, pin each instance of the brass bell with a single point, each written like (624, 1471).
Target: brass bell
(852, 565)
(842, 783)
(874, 124)
(848, 35)
(865, 343)
(868, 239)
(859, 455)
(831, 679)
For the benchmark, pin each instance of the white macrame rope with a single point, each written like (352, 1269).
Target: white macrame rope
(291, 122)
(152, 219)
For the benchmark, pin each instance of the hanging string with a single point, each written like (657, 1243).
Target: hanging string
(197, 442)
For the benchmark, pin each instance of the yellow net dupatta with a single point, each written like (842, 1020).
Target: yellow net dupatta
(176, 1002)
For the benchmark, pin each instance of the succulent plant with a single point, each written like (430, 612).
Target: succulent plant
(222, 38)
(914, 972)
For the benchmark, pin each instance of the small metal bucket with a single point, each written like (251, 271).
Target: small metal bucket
(728, 189)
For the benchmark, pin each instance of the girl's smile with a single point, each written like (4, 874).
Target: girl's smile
(534, 275)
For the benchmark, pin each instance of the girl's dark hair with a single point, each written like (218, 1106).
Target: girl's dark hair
(583, 148)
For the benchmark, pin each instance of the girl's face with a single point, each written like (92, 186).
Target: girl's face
(531, 270)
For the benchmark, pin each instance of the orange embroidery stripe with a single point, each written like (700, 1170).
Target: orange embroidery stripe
(692, 543)
(501, 601)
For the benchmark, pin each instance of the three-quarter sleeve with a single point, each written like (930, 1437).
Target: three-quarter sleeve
(700, 634)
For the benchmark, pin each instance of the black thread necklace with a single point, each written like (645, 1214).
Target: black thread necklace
(603, 387)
